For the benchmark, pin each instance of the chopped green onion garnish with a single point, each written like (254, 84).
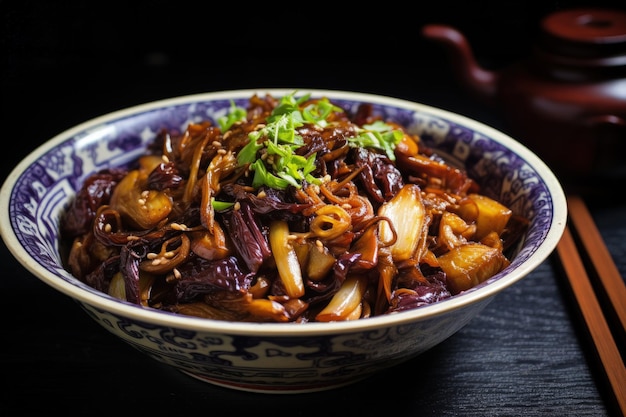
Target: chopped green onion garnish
(378, 135)
(221, 205)
(279, 140)
(235, 114)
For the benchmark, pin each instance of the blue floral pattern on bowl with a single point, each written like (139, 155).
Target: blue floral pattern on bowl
(268, 364)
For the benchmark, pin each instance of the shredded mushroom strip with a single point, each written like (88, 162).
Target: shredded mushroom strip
(288, 210)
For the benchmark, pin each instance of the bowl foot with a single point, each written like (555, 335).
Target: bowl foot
(274, 388)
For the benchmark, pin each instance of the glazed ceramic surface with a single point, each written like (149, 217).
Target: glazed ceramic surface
(273, 357)
(568, 96)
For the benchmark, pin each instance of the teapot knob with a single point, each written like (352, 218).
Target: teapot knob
(585, 38)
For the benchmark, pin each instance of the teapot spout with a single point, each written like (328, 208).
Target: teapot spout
(480, 82)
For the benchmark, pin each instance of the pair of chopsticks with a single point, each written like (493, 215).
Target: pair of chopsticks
(603, 278)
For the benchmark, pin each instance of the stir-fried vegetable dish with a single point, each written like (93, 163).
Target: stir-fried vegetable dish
(289, 210)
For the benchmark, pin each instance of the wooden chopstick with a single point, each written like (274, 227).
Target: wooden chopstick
(586, 298)
(607, 271)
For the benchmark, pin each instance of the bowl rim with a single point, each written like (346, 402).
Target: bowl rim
(558, 221)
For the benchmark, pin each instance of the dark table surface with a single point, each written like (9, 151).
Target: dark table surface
(525, 354)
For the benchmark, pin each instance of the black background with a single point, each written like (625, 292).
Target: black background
(64, 63)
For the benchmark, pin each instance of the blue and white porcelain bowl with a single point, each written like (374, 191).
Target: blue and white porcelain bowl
(273, 357)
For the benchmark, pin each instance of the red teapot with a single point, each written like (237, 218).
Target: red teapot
(567, 100)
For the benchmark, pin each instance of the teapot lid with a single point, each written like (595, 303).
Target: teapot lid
(586, 33)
